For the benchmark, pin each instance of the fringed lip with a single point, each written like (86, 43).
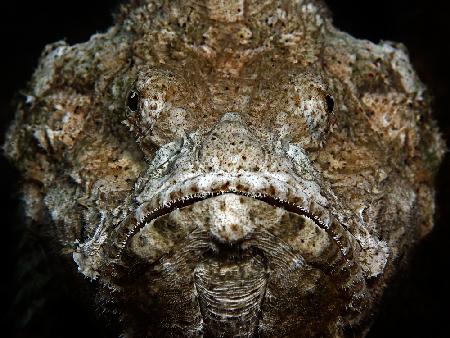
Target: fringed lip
(153, 209)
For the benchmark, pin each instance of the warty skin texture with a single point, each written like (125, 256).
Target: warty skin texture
(226, 169)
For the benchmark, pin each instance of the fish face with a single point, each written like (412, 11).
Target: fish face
(229, 168)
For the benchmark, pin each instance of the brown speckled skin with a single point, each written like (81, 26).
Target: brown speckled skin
(229, 168)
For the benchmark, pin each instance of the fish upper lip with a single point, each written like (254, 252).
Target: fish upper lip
(280, 186)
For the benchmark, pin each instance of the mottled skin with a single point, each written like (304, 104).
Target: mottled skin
(229, 168)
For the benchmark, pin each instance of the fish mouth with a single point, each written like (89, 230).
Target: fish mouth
(280, 193)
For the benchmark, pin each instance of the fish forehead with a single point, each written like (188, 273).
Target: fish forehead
(227, 34)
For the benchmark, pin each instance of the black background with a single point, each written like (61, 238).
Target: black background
(416, 305)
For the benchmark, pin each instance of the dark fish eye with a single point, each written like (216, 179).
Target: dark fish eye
(330, 103)
(133, 101)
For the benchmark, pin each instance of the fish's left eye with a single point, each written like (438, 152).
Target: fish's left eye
(133, 101)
